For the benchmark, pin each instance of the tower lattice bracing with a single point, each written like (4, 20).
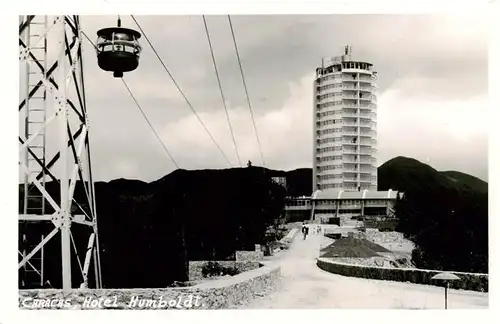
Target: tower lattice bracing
(345, 106)
(58, 241)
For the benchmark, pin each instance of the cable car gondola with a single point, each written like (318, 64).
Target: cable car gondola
(118, 49)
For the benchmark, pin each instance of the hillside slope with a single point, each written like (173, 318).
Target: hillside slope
(446, 218)
(467, 180)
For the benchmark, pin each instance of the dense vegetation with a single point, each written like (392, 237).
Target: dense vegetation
(149, 231)
(444, 213)
(215, 269)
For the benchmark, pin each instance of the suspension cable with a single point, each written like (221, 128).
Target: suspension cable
(221, 92)
(149, 123)
(181, 92)
(246, 90)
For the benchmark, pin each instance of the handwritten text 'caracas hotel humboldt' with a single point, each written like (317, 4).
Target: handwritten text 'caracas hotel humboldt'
(189, 301)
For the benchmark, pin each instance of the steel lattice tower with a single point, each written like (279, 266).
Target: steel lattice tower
(53, 100)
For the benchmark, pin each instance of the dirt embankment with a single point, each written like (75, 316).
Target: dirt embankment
(364, 252)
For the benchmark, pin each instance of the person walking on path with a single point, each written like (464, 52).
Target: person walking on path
(305, 230)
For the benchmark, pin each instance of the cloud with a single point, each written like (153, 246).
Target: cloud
(448, 135)
(276, 128)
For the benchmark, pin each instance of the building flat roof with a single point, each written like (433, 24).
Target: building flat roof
(364, 194)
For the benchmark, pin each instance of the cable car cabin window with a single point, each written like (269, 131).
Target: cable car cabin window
(119, 42)
(118, 50)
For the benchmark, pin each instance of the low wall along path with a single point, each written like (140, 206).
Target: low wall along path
(215, 294)
(469, 281)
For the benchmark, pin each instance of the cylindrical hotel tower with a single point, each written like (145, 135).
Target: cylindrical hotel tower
(345, 135)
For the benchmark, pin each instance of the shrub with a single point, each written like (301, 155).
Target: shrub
(215, 269)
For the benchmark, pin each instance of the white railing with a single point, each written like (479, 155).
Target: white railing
(329, 81)
(326, 154)
(330, 171)
(329, 118)
(378, 203)
(350, 122)
(293, 207)
(349, 78)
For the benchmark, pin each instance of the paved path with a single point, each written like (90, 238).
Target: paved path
(304, 286)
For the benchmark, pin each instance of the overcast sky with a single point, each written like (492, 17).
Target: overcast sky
(433, 89)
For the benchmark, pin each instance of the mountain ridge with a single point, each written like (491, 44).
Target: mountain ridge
(301, 174)
(208, 214)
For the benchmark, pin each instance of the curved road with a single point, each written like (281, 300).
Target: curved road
(304, 285)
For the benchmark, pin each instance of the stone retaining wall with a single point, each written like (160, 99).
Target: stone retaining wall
(215, 294)
(195, 267)
(469, 281)
(255, 255)
(249, 255)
